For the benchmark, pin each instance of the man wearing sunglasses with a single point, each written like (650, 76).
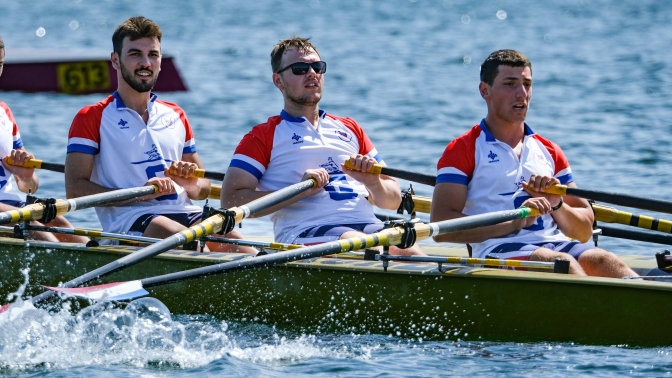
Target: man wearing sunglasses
(305, 142)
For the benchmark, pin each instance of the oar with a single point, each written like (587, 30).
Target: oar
(36, 210)
(225, 220)
(613, 198)
(390, 236)
(611, 215)
(378, 169)
(55, 167)
(645, 236)
(603, 213)
(144, 239)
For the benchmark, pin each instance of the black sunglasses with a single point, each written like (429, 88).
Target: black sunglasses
(301, 68)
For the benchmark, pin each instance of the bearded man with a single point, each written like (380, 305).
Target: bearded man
(132, 139)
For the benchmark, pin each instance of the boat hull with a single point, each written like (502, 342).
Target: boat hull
(335, 295)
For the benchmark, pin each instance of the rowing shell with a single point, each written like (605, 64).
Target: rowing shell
(345, 294)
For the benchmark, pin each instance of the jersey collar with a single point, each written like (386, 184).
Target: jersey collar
(491, 139)
(289, 118)
(120, 103)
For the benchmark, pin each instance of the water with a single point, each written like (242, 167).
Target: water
(407, 71)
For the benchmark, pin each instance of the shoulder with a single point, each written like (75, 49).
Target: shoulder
(8, 112)
(466, 141)
(268, 126)
(346, 121)
(95, 110)
(552, 148)
(176, 108)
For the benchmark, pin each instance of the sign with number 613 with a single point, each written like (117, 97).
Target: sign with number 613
(83, 76)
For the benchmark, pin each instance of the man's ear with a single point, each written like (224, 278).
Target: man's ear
(114, 58)
(484, 89)
(277, 81)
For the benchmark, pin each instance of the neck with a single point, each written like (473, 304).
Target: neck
(134, 99)
(311, 112)
(511, 133)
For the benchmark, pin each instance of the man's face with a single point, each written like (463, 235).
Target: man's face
(509, 96)
(2, 60)
(140, 62)
(304, 89)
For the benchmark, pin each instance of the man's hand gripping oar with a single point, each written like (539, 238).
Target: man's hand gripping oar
(223, 220)
(400, 235)
(57, 167)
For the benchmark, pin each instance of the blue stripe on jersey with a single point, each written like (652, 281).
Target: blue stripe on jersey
(82, 148)
(246, 167)
(452, 178)
(17, 144)
(566, 178)
(189, 149)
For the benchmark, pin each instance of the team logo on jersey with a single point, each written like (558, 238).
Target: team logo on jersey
(4, 124)
(342, 135)
(122, 124)
(519, 184)
(152, 155)
(541, 159)
(297, 139)
(493, 157)
(331, 167)
(169, 122)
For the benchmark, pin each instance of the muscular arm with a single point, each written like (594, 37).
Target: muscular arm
(384, 191)
(448, 202)
(26, 179)
(240, 187)
(575, 218)
(78, 168)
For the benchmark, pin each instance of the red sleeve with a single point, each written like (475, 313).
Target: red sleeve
(84, 134)
(458, 161)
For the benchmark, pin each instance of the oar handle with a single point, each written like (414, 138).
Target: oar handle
(202, 173)
(378, 169)
(39, 164)
(560, 190)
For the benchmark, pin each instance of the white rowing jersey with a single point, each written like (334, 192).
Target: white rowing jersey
(279, 152)
(127, 152)
(494, 174)
(10, 139)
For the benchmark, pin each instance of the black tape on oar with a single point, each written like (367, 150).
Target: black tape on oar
(49, 213)
(228, 215)
(409, 237)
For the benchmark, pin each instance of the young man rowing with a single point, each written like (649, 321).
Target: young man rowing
(305, 142)
(26, 180)
(501, 164)
(131, 139)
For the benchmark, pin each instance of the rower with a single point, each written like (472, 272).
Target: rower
(502, 164)
(11, 146)
(305, 142)
(132, 139)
